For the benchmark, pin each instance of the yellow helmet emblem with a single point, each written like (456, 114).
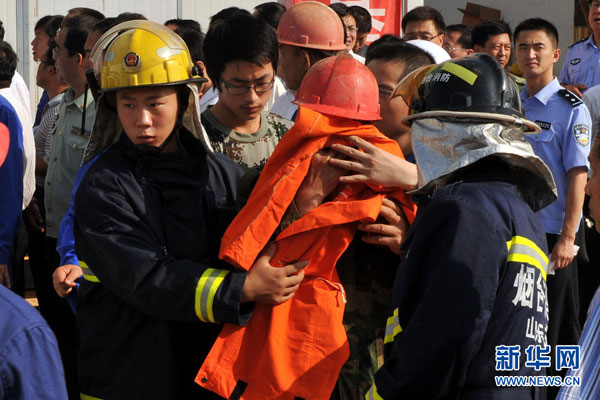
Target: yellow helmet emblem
(141, 53)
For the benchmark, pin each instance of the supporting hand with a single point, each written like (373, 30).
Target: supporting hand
(272, 285)
(390, 234)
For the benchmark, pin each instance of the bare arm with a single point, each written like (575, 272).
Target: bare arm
(562, 253)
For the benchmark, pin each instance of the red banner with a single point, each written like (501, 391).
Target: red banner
(385, 15)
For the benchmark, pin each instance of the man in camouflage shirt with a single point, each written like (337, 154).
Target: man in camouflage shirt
(241, 58)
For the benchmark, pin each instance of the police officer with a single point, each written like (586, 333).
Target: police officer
(581, 69)
(475, 267)
(564, 145)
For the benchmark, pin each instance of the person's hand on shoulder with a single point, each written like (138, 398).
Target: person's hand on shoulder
(374, 165)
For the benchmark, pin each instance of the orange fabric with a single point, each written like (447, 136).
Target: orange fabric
(295, 349)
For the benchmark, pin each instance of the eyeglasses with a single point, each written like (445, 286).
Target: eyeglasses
(449, 49)
(384, 94)
(259, 88)
(595, 4)
(420, 35)
(351, 28)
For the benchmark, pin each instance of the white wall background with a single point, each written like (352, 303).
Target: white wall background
(19, 18)
(559, 12)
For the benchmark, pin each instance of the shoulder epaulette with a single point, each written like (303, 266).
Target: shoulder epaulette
(570, 97)
(579, 41)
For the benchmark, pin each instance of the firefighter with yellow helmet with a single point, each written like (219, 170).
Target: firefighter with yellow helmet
(149, 215)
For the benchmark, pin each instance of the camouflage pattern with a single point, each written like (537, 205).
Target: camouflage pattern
(519, 81)
(367, 273)
(247, 150)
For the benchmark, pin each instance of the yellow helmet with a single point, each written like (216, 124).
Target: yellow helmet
(139, 54)
(142, 53)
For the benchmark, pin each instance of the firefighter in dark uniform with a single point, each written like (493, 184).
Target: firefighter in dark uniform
(149, 216)
(472, 285)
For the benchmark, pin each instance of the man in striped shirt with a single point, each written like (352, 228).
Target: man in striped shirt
(590, 337)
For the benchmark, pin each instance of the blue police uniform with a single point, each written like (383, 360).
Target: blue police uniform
(582, 64)
(474, 278)
(563, 144)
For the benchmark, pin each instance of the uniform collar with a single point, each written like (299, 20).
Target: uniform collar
(544, 95)
(69, 98)
(590, 41)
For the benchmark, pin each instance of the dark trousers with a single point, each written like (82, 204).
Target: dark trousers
(63, 322)
(41, 270)
(589, 271)
(17, 261)
(563, 303)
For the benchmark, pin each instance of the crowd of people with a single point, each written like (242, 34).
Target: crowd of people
(272, 208)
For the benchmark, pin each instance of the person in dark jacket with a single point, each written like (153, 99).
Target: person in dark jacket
(149, 216)
(469, 299)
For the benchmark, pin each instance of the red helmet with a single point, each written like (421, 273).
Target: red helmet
(340, 86)
(313, 25)
(4, 142)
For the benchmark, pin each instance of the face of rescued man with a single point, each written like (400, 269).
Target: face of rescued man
(388, 74)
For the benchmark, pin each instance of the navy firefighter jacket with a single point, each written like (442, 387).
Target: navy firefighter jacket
(147, 230)
(474, 278)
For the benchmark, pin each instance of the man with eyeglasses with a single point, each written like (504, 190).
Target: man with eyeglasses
(425, 23)
(241, 58)
(389, 63)
(457, 42)
(581, 69)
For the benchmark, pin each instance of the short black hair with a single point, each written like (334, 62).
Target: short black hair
(409, 54)
(465, 34)
(224, 15)
(195, 42)
(270, 12)
(387, 38)
(8, 64)
(129, 16)
(425, 13)
(484, 30)
(538, 24)
(90, 12)
(1, 31)
(105, 24)
(49, 24)
(184, 23)
(78, 28)
(340, 8)
(243, 37)
(362, 17)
